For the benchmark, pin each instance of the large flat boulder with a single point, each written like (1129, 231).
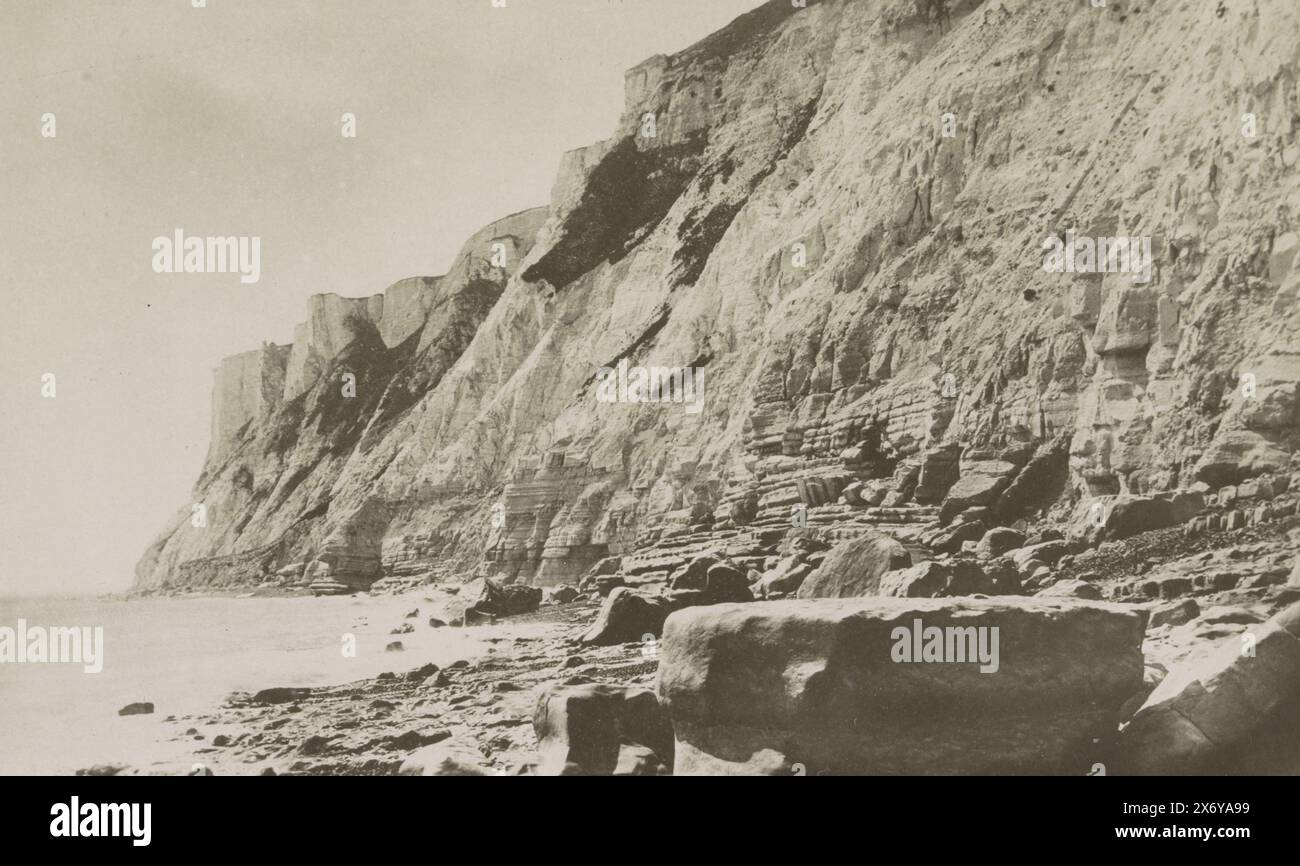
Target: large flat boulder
(761, 688)
(854, 568)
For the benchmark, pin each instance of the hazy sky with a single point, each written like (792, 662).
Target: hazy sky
(224, 120)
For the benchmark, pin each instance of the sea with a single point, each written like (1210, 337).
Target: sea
(185, 655)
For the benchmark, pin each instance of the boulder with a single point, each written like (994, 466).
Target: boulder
(581, 730)
(979, 484)
(854, 568)
(726, 583)
(628, 615)
(696, 572)
(998, 541)
(1003, 577)
(1048, 553)
(788, 575)
(458, 612)
(1209, 712)
(1042, 535)
(951, 539)
(758, 688)
(494, 598)
(281, 695)
(933, 578)
(141, 708)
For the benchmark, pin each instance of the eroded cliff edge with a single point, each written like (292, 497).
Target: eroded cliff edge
(915, 347)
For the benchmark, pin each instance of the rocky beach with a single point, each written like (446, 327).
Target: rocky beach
(772, 445)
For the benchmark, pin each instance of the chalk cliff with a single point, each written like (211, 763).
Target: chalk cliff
(838, 214)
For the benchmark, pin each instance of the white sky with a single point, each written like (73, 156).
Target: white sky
(224, 121)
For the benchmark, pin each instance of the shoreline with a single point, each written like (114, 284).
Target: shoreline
(477, 689)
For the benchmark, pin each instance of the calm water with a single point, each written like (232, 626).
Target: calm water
(185, 656)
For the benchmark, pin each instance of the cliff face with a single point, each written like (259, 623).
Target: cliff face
(838, 214)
